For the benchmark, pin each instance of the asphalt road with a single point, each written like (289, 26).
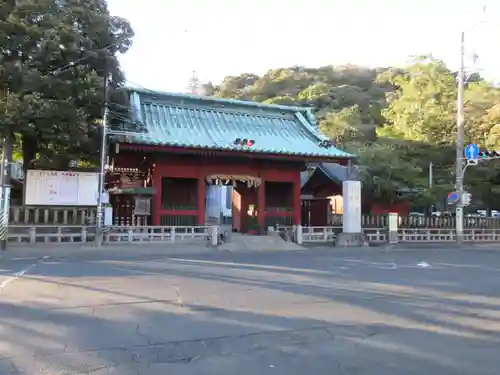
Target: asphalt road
(315, 312)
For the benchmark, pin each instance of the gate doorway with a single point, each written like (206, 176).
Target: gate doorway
(245, 209)
(241, 198)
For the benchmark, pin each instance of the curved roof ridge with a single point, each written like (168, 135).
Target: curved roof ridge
(214, 99)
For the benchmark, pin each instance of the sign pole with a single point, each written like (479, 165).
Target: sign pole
(5, 186)
(3, 203)
(459, 175)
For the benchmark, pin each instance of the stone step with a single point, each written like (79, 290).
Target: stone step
(246, 242)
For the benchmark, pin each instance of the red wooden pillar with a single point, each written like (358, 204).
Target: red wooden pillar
(296, 202)
(261, 204)
(157, 199)
(200, 200)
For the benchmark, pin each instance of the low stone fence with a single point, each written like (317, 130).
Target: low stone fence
(156, 234)
(328, 234)
(67, 234)
(77, 234)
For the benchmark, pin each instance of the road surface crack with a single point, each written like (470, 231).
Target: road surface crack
(143, 335)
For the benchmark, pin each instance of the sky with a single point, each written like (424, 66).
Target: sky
(217, 38)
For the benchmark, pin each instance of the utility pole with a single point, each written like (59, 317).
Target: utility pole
(5, 182)
(431, 177)
(5, 192)
(459, 183)
(102, 167)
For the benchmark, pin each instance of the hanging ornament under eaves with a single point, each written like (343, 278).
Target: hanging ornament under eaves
(250, 181)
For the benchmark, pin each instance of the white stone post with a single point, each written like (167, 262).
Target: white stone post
(351, 192)
(352, 234)
(214, 236)
(299, 234)
(393, 228)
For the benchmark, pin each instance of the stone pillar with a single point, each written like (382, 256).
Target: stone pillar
(214, 235)
(299, 234)
(352, 234)
(393, 228)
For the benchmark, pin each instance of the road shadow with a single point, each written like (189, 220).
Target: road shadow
(428, 321)
(221, 341)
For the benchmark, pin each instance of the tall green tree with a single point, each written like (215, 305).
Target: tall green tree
(423, 106)
(398, 121)
(54, 57)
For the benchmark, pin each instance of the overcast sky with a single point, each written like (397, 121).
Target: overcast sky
(228, 37)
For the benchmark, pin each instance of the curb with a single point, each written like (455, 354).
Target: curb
(78, 250)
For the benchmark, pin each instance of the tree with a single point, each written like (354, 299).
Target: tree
(54, 56)
(396, 120)
(384, 172)
(423, 106)
(327, 89)
(346, 125)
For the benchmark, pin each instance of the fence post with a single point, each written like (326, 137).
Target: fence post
(299, 234)
(84, 234)
(214, 237)
(32, 235)
(172, 234)
(393, 227)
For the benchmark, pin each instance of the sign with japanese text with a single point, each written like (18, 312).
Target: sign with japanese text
(60, 188)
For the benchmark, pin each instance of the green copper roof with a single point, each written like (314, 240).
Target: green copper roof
(182, 120)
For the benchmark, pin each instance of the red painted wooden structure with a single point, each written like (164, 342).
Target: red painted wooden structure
(179, 182)
(267, 182)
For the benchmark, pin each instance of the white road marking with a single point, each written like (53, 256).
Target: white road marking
(20, 274)
(29, 258)
(423, 265)
(381, 265)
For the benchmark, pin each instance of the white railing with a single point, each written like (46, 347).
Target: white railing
(77, 234)
(67, 234)
(328, 234)
(319, 234)
(129, 234)
(49, 234)
(448, 235)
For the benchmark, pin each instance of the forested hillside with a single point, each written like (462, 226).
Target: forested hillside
(397, 121)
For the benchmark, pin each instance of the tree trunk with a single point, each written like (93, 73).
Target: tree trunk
(30, 148)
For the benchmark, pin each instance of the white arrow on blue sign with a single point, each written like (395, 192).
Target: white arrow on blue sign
(471, 151)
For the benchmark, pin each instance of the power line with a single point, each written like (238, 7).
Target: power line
(90, 53)
(141, 87)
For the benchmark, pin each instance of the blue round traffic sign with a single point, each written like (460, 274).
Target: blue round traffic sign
(452, 197)
(471, 152)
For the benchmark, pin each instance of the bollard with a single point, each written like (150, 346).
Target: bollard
(393, 228)
(299, 234)
(214, 235)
